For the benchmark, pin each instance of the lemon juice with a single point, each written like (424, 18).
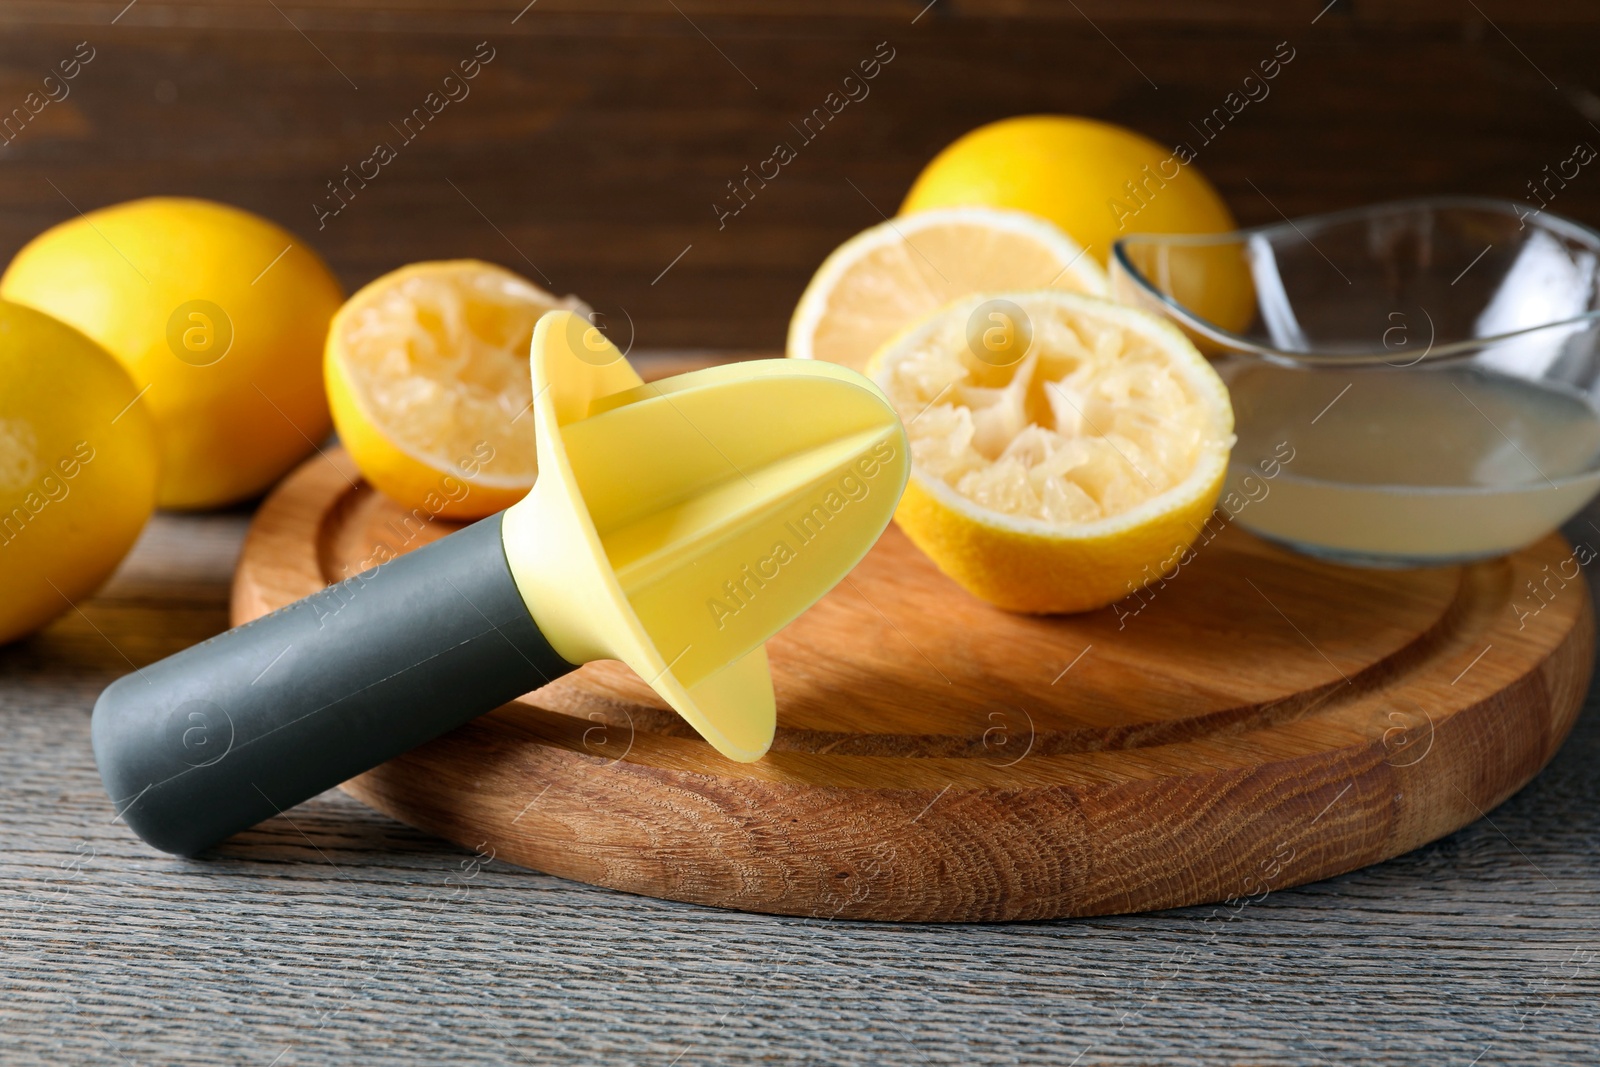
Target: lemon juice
(1393, 467)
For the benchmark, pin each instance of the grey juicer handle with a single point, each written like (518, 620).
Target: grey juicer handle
(257, 719)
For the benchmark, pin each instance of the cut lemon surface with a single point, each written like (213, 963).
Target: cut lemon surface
(427, 374)
(885, 278)
(1066, 451)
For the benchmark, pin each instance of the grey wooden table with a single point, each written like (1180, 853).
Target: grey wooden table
(334, 934)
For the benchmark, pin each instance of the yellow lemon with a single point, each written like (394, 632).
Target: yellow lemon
(1096, 181)
(1066, 450)
(217, 314)
(78, 467)
(427, 372)
(889, 276)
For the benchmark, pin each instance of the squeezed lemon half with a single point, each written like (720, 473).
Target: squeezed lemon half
(885, 278)
(427, 374)
(1066, 450)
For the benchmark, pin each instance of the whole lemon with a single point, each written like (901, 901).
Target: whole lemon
(1095, 180)
(78, 467)
(217, 314)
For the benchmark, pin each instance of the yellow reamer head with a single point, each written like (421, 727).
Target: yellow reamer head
(676, 526)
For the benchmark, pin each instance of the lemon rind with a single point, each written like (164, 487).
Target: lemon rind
(814, 301)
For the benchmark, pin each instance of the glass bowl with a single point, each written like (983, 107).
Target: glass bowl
(1414, 383)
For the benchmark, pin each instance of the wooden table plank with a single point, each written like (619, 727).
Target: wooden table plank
(335, 934)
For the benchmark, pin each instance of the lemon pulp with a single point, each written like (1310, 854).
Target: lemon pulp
(1067, 470)
(1091, 422)
(428, 373)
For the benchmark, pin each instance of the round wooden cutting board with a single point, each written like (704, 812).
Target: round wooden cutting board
(1257, 721)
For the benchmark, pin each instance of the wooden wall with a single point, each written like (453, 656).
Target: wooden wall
(593, 145)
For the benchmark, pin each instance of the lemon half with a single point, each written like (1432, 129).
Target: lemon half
(1066, 450)
(427, 373)
(885, 278)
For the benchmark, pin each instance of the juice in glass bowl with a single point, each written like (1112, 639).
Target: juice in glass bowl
(1423, 378)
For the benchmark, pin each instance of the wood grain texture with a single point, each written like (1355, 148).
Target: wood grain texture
(1264, 720)
(340, 936)
(591, 150)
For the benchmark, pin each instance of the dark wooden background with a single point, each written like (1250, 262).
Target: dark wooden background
(595, 143)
